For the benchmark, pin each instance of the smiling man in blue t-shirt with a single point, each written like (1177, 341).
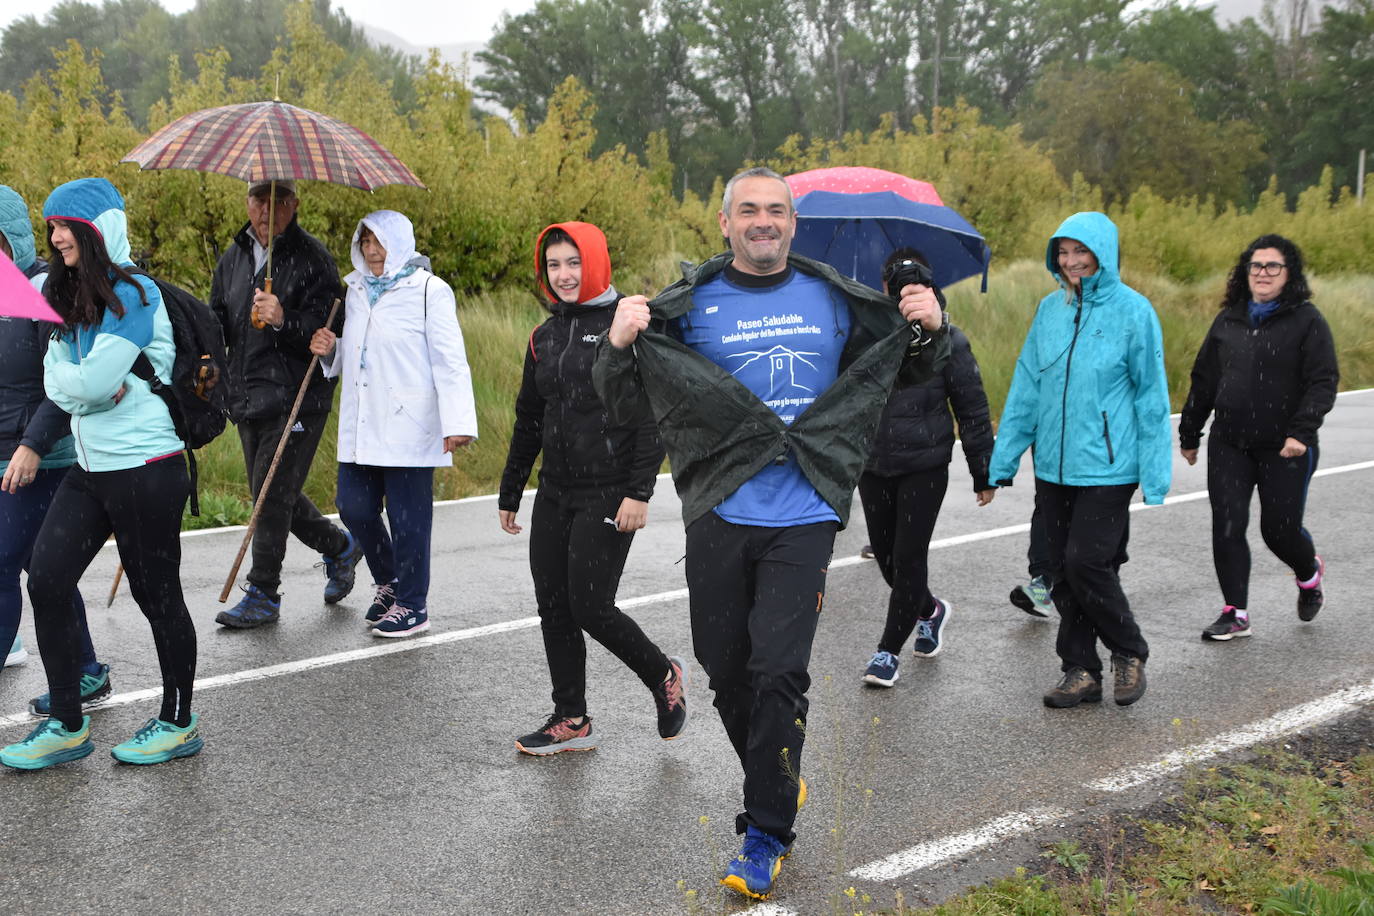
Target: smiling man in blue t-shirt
(757, 557)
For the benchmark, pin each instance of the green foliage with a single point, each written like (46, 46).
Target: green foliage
(1355, 896)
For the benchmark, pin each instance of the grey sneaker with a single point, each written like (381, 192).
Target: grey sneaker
(1227, 626)
(1034, 598)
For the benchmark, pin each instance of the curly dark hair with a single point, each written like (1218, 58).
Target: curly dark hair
(1295, 291)
(81, 294)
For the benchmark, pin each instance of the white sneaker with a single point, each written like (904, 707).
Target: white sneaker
(18, 654)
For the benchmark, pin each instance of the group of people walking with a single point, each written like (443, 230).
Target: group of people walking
(768, 438)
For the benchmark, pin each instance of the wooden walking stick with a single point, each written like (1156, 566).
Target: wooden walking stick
(272, 468)
(114, 588)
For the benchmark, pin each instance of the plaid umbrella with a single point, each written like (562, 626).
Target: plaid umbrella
(262, 141)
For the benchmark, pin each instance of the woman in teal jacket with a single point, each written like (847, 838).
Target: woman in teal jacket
(1090, 394)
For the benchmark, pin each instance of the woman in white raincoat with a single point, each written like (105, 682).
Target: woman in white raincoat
(405, 405)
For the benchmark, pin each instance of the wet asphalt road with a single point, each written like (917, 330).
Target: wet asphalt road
(389, 782)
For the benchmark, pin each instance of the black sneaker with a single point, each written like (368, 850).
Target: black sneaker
(342, 570)
(671, 699)
(556, 736)
(866, 552)
(1310, 599)
(1227, 626)
(1129, 682)
(1077, 686)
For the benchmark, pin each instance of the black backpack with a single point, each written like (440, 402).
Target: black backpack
(198, 396)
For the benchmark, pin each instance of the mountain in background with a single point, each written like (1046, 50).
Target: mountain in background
(462, 55)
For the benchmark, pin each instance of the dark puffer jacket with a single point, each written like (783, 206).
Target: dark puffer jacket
(1266, 383)
(559, 413)
(916, 432)
(266, 365)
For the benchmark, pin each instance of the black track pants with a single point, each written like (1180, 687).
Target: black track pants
(901, 513)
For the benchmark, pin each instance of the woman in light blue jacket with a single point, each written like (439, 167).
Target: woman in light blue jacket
(1090, 394)
(130, 480)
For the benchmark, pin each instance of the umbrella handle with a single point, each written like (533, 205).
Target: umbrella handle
(258, 322)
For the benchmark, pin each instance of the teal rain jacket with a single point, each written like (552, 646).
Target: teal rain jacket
(1089, 391)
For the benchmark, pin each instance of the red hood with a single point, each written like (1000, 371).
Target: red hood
(596, 260)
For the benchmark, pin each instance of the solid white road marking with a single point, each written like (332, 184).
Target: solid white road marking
(945, 848)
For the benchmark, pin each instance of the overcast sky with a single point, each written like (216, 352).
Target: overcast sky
(420, 22)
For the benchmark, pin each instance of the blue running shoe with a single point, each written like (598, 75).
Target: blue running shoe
(929, 631)
(1034, 598)
(382, 602)
(17, 654)
(255, 608)
(95, 688)
(47, 744)
(342, 569)
(158, 742)
(753, 871)
(882, 669)
(401, 621)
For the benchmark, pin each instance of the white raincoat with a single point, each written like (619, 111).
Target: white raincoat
(406, 383)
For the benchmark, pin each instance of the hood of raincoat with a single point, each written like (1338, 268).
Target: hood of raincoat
(15, 225)
(98, 204)
(1099, 233)
(596, 260)
(396, 234)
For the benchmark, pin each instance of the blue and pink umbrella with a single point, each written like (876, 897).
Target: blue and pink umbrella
(852, 218)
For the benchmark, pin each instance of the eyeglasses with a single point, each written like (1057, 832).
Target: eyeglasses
(1268, 268)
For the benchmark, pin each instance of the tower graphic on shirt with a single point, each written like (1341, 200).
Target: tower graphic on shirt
(782, 362)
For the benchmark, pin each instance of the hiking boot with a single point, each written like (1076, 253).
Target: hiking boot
(1310, 599)
(341, 569)
(1129, 682)
(157, 741)
(882, 669)
(382, 601)
(671, 699)
(47, 744)
(400, 622)
(558, 735)
(255, 608)
(928, 629)
(17, 654)
(1078, 686)
(753, 871)
(1227, 626)
(94, 689)
(1034, 598)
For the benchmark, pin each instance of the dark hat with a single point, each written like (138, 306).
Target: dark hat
(262, 188)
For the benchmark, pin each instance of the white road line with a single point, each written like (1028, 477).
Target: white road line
(1290, 720)
(523, 623)
(770, 909)
(942, 850)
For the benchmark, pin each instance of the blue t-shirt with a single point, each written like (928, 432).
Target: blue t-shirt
(782, 338)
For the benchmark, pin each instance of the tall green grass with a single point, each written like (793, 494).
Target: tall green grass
(496, 328)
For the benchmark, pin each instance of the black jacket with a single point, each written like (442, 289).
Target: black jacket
(719, 434)
(265, 365)
(27, 417)
(557, 412)
(916, 432)
(1266, 384)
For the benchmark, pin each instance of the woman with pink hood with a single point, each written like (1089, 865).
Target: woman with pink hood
(594, 487)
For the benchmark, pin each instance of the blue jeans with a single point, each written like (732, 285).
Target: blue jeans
(21, 515)
(402, 554)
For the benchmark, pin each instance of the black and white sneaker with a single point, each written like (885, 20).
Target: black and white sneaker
(1310, 599)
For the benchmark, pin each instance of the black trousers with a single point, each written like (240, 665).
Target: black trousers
(142, 506)
(756, 596)
(1233, 473)
(576, 559)
(901, 513)
(286, 510)
(1038, 554)
(1085, 528)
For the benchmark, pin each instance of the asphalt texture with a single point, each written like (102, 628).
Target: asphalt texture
(336, 783)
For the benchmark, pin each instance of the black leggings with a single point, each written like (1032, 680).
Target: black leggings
(1233, 473)
(576, 558)
(142, 506)
(901, 513)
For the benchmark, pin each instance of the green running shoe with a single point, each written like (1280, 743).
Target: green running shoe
(47, 744)
(158, 741)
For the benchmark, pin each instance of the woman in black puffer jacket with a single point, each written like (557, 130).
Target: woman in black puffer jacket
(903, 487)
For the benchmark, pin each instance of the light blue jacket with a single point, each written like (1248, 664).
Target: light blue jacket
(1089, 391)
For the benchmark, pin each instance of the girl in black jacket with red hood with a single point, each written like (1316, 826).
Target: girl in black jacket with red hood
(594, 487)
(1267, 368)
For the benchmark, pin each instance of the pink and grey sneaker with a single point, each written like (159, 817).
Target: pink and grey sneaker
(1310, 597)
(1229, 625)
(557, 735)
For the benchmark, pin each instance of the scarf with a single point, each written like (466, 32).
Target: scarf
(378, 285)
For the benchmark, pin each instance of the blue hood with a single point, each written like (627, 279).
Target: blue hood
(18, 231)
(97, 203)
(1099, 233)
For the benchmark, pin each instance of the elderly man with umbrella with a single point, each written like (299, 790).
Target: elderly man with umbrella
(269, 313)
